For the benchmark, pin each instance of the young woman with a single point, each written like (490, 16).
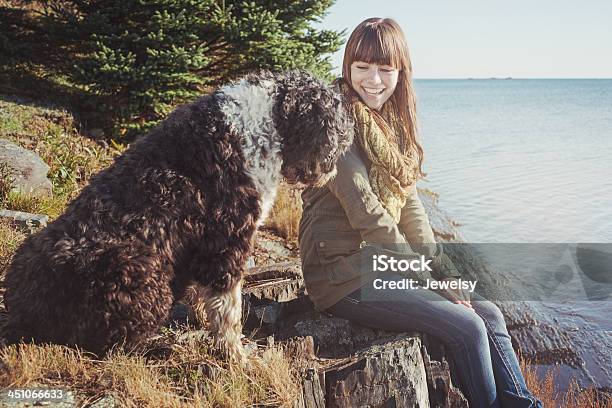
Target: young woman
(373, 203)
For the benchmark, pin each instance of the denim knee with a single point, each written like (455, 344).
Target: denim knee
(473, 332)
(492, 314)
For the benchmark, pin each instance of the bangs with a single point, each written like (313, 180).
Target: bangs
(379, 46)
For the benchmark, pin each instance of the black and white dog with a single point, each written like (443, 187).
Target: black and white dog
(177, 210)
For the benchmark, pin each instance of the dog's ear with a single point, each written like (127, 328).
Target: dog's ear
(298, 96)
(313, 123)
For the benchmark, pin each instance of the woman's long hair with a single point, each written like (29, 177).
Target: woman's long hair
(382, 41)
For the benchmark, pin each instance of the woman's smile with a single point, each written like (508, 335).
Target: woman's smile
(374, 91)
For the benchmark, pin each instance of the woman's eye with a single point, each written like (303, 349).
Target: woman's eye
(362, 67)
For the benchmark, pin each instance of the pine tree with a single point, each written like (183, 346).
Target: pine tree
(137, 59)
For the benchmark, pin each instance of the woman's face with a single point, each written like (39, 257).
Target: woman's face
(374, 83)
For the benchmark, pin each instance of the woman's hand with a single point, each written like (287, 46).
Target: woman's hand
(459, 296)
(444, 270)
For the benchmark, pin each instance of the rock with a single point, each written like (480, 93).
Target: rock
(385, 373)
(274, 248)
(250, 263)
(302, 354)
(108, 401)
(442, 392)
(300, 349)
(550, 346)
(270, 248)
(354, 347)
(444, 228)
(25, 221)
(96, 133)
(335, 337)
(273, 292)
(312, 392)
(389, 374)
(268, 313)
(279, 282)
(27, 170)
(181, 315)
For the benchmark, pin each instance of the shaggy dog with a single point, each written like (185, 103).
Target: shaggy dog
(179, 207)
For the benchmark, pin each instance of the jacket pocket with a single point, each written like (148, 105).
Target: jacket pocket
(333, 246)
(345, 260)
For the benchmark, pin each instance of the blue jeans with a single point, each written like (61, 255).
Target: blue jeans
(478, 340)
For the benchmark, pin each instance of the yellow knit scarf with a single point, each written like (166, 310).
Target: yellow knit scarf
(392, 173)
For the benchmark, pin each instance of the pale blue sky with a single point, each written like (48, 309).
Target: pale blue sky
(478, 38)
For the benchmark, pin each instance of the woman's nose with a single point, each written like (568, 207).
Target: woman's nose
(374, 76)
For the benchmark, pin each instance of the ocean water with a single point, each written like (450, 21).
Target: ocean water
(528, 161)
(521, 160)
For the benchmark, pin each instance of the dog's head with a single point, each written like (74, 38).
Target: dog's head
(315, 128)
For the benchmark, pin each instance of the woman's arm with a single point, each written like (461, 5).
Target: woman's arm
(365, 213)
(414, 224)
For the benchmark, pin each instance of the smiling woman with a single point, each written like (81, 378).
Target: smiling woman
(373, 199)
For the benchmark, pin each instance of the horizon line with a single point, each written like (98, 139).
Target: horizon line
(509, 78)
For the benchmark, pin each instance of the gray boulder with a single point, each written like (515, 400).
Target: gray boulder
(25, 221)
(27, 170)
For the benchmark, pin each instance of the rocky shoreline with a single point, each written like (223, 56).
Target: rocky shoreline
(277, 306)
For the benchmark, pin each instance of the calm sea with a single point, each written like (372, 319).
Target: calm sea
(528, 160)
(522, 160)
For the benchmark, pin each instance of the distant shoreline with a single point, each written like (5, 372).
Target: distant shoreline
(512, 78)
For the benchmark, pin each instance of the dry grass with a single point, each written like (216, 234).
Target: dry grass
(51, 206)
(175, 374)
(128, 379)
(545, 390)
(6, 183)
(10, 238)
(284, 218)
(269, 380)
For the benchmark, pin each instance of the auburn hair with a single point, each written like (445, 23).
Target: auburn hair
(381, 41)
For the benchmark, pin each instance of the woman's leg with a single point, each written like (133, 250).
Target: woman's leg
(460, 328)
(511, 388)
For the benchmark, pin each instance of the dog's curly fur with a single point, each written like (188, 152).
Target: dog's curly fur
(179, 207)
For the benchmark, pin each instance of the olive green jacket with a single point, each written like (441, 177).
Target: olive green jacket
(336, 220)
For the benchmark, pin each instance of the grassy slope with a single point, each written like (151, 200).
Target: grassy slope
(52, 135)
(170, 376)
